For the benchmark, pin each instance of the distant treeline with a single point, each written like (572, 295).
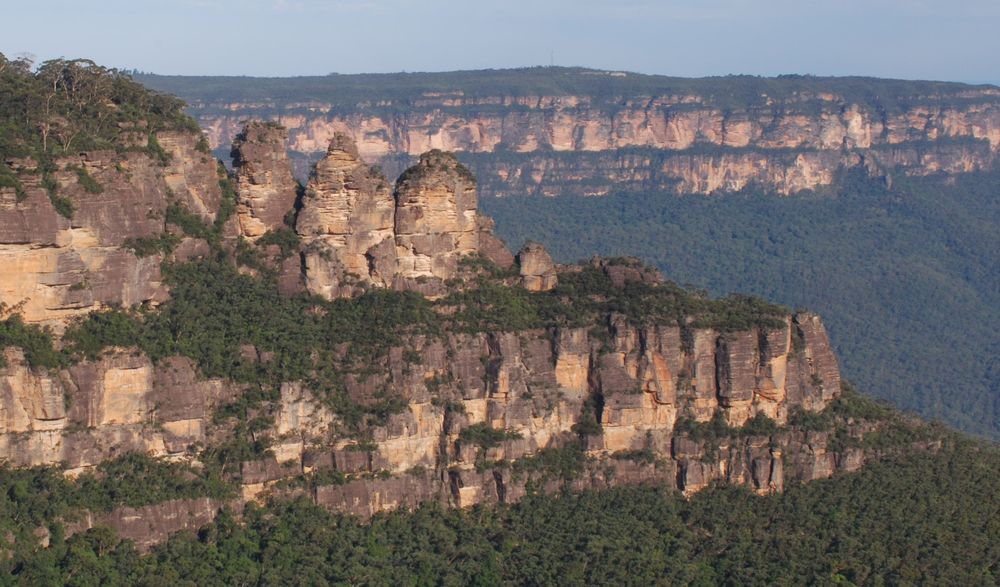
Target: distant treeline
(733, 91)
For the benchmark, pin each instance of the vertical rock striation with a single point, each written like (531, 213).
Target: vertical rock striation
(57, 265)
(264, 179)
(357, 232)
(702, 136)
(458, 408)
(538, 272)
(346, 224)
(435, 218)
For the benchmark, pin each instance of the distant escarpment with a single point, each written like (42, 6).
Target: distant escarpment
(556, 131)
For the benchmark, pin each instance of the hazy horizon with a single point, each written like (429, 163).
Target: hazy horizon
(516, 67)
(905, 39)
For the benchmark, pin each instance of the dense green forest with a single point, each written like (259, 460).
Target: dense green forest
(922, 518)
(905, 278)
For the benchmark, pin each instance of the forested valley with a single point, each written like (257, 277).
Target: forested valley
(905, 276)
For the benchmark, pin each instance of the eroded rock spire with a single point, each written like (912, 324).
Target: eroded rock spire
(346, 224)
(358, 232)
(264, 179)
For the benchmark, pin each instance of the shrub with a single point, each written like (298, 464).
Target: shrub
(36, 342)
(145, 246)
(87, 181)
(485, 436)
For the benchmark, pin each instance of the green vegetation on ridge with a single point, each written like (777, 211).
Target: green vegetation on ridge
(64, 107)
(240, 327)
(918, 517)
(924, 518)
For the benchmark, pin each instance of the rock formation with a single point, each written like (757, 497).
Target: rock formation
(613, 389)
(347, 224)
(535, 383)
(435, 217)
(538, 272)
(490, 246)
(264, 179)
(358, 233)
(85, 414)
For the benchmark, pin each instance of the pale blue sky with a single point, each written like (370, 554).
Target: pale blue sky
(926, 39)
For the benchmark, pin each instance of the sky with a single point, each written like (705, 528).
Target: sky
(952, 40)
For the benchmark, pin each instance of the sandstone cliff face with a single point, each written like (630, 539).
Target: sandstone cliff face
(540, 386)
(472, 405)
(582, 123)
(435, 217)
(346, 224)
(538, 272)
(356, 232)
(634, 381)
(264, 179)
(727, 170)
(93, 411)
(58, 267)
(698, 147)
(150, 525)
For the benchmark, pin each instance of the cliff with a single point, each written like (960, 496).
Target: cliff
(556, 131)
(368, 346)
(108, 248)
(520, 393)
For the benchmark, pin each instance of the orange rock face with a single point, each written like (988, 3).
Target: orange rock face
(264, 179)
(357, 232)
(617, 388)
(56, 267)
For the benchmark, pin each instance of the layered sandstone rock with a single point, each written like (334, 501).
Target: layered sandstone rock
(492, 247)
(93, 411)
(264, 181)
(435, 217)
(357, 233)
(726, 170)
(347, 224)
(617, 388)
(57, 267)
(535, 383)
(538, 384)
(150, 525)
(585, 123)
(685, 142)
(538, 272)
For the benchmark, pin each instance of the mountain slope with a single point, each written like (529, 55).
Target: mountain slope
(218, 370)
